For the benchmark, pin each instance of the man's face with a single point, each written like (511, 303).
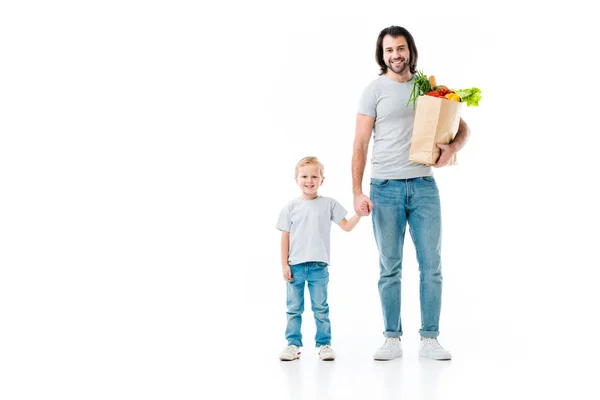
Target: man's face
(396, 54)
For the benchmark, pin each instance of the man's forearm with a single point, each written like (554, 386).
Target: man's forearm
(359, 160)
(461, 137)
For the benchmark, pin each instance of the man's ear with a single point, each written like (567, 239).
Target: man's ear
(322, 179)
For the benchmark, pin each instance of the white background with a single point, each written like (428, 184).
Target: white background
(148, 147)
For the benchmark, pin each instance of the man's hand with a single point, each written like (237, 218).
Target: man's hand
(447, 152)
(362, 205)
(287, 273)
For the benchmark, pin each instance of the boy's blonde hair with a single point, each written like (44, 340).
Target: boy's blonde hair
(310, 160)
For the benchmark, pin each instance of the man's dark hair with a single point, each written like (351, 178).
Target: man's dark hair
(395, 31)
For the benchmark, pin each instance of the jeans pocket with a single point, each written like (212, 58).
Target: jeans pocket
(379, 182)
(429, 179)
(322, 264)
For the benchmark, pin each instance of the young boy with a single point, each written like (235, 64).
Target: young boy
(306, 225)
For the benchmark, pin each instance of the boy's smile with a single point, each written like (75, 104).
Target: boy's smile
(309, 180)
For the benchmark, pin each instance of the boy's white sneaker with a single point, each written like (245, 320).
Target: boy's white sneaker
(326, 353)
(392, 348)
(289, 353)
(431, 348)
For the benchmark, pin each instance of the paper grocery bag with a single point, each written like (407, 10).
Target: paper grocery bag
(436, 121)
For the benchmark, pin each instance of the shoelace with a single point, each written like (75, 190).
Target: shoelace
(432, 342)
(292, 349)
(326, 349)
(389, 343)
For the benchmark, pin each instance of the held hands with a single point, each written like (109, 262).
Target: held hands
(287, 273)
(362, 205)
(447, 151)
(365, 209)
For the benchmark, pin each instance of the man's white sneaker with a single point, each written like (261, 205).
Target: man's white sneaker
(392, 348)
(326, 353)
(431, 348)
(289, 353)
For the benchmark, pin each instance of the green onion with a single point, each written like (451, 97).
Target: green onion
(421, 86)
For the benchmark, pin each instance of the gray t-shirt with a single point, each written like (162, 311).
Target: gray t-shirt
(386, 100)
(309, 225)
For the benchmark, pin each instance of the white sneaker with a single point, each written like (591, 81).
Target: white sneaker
(430, 348)
(392, 348)
(289, 353)
(326, 353)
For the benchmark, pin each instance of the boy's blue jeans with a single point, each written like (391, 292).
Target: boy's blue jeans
(397, 202)
(316, 275)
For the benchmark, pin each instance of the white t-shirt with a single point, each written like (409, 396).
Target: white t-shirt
(386, 100)
(309, 225)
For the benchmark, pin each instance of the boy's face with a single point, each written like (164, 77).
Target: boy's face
(309, 179)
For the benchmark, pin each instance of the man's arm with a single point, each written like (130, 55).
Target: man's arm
(364, 128)
(459, 141)
(461, 137)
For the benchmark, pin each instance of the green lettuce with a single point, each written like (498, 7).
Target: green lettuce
(470, 96)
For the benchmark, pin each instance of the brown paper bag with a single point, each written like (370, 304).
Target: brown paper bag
(436, 121)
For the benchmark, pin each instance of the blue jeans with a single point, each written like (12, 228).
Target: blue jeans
(397, 202)
(316, 275)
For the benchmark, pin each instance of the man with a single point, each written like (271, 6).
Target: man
(402, 192)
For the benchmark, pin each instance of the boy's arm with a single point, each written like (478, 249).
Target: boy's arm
(285, 251)
(348, 225)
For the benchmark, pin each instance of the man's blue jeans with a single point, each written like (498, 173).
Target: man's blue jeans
(397, 202)
(316, 275)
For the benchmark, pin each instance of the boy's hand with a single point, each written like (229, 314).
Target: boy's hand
(287, 273)
(362, 205)
(365, 209)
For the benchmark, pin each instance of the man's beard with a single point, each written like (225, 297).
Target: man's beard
(402, 68)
